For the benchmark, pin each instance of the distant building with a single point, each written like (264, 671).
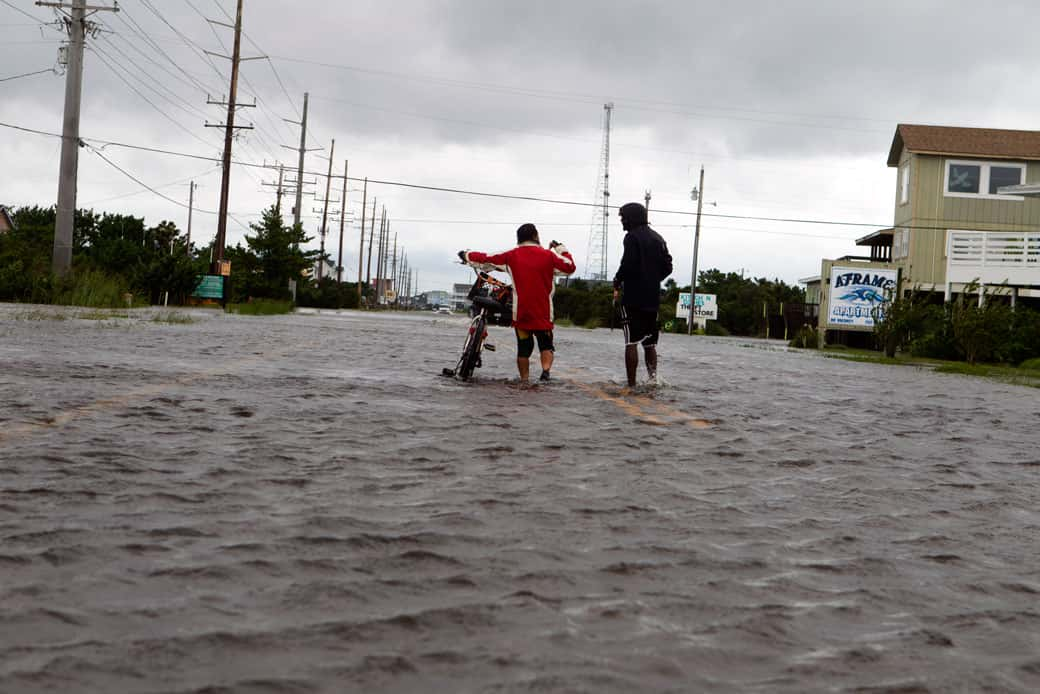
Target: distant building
(6, 220)
(460, 297)
(436, 298)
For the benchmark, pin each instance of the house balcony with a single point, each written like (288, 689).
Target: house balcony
(992, 257)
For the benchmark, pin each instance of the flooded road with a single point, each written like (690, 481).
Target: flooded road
(303, 504)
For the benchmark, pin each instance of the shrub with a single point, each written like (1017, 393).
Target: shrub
(1030, 364)
(979, 332)
(716, 329)
(1024, 342)
(808, 337)
(896, 326)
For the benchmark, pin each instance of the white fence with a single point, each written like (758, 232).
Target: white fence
(993, 257)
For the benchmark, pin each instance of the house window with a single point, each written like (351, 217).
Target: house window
(976, 179)
(904, 183)
(1000, 176)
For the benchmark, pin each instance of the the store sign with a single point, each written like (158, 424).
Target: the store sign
(858, 294)
(707, 307)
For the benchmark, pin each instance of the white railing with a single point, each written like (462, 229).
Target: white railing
(993, 257)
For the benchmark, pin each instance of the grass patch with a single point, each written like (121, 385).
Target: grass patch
(40, 314)
(172, 318)
(91, 289)
(564, 322)
(262, 307)
(1005, 374)
(1030, 365)
(101, 314)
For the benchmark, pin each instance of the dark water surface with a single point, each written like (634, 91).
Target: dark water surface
(300, 503)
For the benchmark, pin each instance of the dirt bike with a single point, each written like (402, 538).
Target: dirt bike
(492, 305)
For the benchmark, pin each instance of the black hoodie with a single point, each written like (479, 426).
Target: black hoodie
(645, 263)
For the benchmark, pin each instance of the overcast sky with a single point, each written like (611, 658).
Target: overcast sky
(789, 105)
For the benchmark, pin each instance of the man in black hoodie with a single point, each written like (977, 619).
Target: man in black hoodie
(644, 265)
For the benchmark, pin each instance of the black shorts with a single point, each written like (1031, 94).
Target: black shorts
(525, 341)
(641, 327)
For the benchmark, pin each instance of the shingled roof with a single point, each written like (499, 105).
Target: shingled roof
(989, 143)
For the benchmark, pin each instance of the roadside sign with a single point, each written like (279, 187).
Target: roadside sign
(210, 287)
(707, 307)
(857, 295)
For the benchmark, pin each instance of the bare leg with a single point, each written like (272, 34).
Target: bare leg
(547, 360)
(523, 365)
(631, 363)
(650, 352)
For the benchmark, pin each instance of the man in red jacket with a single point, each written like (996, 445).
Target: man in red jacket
(532, 269)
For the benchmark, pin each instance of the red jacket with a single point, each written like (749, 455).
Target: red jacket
(532, 270)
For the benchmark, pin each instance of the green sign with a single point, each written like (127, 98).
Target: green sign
(210, 287)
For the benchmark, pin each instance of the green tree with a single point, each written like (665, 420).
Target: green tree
(272, 257)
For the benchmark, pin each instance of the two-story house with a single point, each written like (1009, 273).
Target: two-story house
(956, 227)
(952, 225)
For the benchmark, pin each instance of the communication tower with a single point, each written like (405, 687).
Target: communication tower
(597, 253)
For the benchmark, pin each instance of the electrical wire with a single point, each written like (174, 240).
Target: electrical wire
(28, 74)
(144, 185)
(503, 196)
(584, 98)
(23, 12)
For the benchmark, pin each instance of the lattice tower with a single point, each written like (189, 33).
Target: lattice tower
(596, 260)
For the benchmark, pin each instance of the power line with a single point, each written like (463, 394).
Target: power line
(502, 196)
(149, 188)
(28, 74)
(137, 29)
(591, 98)
(23, 12)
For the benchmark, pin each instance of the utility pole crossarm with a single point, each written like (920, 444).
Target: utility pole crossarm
(73, 6)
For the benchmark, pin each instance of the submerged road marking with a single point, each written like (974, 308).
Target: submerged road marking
(630, 408)
(639, 405)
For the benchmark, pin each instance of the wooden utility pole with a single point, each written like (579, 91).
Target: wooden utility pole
(229, 135)
(361, 241)
(279, 186)
(65, 212)
(191, 207)
(393, 271)
(699, 190)
(303, 154)
(342, 221)
(325, 213)
(646, 197)
(381, 257)
(371, 234)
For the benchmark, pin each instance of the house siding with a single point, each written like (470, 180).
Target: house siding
(931, 214)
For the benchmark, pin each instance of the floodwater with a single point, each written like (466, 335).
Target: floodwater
(303, 504)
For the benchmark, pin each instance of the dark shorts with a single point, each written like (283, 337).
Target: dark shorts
(525, 341)
(641, 327)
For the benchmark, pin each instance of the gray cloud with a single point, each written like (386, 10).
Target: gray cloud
(791, 105)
